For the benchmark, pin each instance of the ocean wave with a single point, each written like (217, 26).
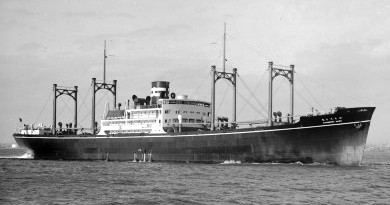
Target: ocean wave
(231, 162)
(27, 155)
(293, 163)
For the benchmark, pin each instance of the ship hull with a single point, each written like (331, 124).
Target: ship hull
(311, 140)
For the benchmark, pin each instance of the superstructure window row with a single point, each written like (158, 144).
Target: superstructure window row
(136, 122)
(185, 120)
(185, 102)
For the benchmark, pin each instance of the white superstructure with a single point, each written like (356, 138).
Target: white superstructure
(35, 130)
(161, 115)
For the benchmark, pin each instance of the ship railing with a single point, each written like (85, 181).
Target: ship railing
(251, 122)
(65, 87)
(288, 119)
(145, 106)
(71, 130)
(57, 129)
(221, 123)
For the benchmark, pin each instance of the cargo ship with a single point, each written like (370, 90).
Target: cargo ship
(165, 127)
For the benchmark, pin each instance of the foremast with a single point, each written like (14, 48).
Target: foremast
(231, 77)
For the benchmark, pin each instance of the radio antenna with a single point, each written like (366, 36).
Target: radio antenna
(104, 65)
(224, 48)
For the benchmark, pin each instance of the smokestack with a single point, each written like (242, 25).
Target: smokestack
(160, 90)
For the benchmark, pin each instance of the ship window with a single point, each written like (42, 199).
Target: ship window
(167, 111)
(166, 121)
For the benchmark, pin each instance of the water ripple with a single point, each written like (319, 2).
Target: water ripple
(100, 182)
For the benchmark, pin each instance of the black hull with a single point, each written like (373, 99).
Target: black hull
(310, 140)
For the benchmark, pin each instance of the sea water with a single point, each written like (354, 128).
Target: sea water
(27, 181)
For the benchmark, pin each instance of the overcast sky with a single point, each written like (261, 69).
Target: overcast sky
(340, 49)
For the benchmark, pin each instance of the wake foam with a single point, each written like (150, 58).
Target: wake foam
(27, 155)
(231, 162)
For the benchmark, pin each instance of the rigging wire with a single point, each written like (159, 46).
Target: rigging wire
(89, 92)
(310, 93)
(304, 99)
(249, 47)
(223, 98)
(44, 107)
(61, 111)
(277, 88)
(220, 52)
(85, 97)
(250, 104)
(85, 116)
(335, 90)
(98, 102)
(66, 105)
(252, 95)
(195, 92)
(104, 97)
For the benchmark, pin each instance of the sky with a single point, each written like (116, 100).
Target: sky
(340, 49)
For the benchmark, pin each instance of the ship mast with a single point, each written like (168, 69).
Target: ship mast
(99, 86)
(224, 48)
(231, 77)
(275, 71)
(104, 64)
